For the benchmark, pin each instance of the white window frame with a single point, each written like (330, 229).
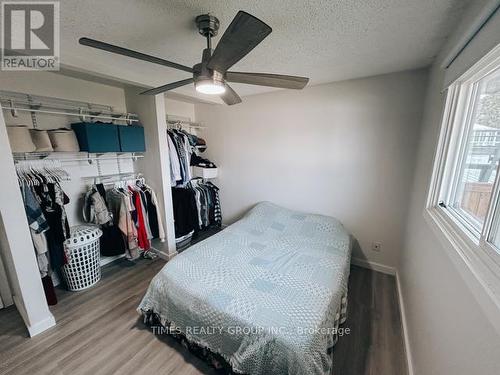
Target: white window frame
(481, 258)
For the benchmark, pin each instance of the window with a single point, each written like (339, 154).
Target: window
(469, 191)
(464, 199)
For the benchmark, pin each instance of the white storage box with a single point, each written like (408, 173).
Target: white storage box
(83, 268)
(205, 172)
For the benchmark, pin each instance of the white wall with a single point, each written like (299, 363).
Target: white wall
(344, 149)
(448, 331)
(179, 108)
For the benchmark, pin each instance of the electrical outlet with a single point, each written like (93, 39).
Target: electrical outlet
(377, 246)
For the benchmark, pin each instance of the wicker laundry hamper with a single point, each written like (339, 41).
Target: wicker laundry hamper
(82, 249)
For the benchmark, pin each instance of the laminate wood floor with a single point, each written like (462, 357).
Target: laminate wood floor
(99, 331)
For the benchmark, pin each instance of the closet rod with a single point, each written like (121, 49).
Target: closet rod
(182, 120)
(186, 123)
(134, 176)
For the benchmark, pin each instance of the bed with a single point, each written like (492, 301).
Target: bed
(266, 294)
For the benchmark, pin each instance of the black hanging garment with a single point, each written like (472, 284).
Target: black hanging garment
(185, 211)
(152, 214)
(111, 242)
(52, 201)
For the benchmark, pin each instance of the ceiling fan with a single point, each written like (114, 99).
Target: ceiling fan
(211, 75)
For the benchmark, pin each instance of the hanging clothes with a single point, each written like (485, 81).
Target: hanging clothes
(159, 220)
(142, 235)
(196, 207)
(196, 204)
(208, 203)
(44, 201)
(38, 227)
(180, 151)
(175, 166)
(129, 216)
(96, 210)
(121, 207)
(52, 201)
(185, 211)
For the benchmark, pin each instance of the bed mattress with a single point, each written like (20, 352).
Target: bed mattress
(267, 293)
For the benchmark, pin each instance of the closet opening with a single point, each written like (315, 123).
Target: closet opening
(89, 180)
(195, 197)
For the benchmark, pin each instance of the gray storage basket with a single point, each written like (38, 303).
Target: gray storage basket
(83, 268)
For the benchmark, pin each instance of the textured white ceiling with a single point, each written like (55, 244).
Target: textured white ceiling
(326, 40)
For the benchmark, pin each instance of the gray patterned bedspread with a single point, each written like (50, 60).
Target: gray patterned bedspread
(266, 293)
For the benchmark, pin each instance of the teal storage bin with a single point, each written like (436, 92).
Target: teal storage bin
(131, 138)
(97, 137)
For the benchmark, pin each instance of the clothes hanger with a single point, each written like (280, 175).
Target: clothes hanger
(48, 172)
(43, 173)
(59, 171)
(20, 176)
(27, 175)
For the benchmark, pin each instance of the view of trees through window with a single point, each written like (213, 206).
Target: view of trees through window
(481, 159)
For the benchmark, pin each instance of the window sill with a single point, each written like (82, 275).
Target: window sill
(477, 267)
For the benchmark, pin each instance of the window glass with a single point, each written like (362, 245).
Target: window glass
(481, 155)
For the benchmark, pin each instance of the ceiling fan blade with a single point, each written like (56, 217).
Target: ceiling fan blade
(243, 34)
(134, 54)
(167, 87)
(230, 97)
(265, 79)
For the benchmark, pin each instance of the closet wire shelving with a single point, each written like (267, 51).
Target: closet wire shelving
(80, 156)
(175, 122)
(21, 102)
(16, 101)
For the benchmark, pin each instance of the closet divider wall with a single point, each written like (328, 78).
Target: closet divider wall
(16, 248)
(156, 164)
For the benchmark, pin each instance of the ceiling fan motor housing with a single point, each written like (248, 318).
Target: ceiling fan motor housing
(207, 24)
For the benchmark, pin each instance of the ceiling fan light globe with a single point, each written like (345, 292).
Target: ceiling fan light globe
(210, 87)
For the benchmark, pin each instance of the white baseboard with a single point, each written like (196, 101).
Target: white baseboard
(392, 271)
(374, 266)
(163, 254)
(409, 360)
(107, 260)
(42, 326)
(38, 327)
